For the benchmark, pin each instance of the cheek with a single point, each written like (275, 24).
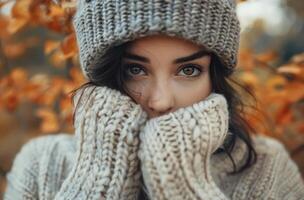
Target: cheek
(191, 92)
(137, 90)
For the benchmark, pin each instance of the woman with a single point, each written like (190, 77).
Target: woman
(158, 117)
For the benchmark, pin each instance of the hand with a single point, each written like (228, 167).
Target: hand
(175, 150)
(107, 125)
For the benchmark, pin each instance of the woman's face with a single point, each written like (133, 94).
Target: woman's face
(166, 73)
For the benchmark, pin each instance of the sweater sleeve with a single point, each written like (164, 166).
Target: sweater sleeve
(288, 184)
(175, 151)
(106, 166)
(274, 175)
(22, 178)
(291, 181)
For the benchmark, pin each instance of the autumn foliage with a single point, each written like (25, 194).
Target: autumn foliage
(42, 90)
(279, 89)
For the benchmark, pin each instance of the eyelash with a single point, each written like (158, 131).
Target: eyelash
(194, 66)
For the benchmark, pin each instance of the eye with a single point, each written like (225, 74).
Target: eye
(134, 69)
(190, 70)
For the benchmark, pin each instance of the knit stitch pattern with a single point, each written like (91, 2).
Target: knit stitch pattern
(178, 146)
(107, 125)
(175, 153)
(100, 24)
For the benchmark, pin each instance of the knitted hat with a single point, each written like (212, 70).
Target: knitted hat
(100, 24)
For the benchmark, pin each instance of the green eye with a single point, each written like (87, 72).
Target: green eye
(134, 70)
(190, 70)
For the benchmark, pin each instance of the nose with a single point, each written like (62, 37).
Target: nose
(161, 100)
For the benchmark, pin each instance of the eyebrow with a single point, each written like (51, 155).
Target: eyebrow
(193, 56)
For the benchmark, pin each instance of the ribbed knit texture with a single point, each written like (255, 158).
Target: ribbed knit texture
(100, 24)
(175, 153)
(175, 150)
(177, 160)
(107, 126)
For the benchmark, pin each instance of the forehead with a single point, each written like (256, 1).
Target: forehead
(157, 43)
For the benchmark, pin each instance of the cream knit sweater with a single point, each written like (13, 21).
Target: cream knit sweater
(102, 160)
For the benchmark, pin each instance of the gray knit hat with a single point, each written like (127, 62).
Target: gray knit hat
(100, 24)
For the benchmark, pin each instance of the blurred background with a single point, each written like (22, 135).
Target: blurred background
(39, 67)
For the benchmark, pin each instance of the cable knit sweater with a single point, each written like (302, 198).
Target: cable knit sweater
(102, 160)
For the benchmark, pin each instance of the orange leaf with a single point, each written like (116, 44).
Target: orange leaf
(47, 92)
(33, 92)
(4, 21)
(16, 24)
(68, 87)
(49, 120)
(295, 91)
(56, 25)
(292, 69)
(65, 103)
(56, 11)
(284, 116)
(276, 82)
(301, 127)
(11, 100)
(21, 9)
(19, 76)
(69, 45)
(50, 45)
(48, 98)
(249, 78)
(58, 59)
(66, 108)
(267, 57)
(39, 12)
(77, 75)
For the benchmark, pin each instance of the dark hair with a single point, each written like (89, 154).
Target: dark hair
(109, 72)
